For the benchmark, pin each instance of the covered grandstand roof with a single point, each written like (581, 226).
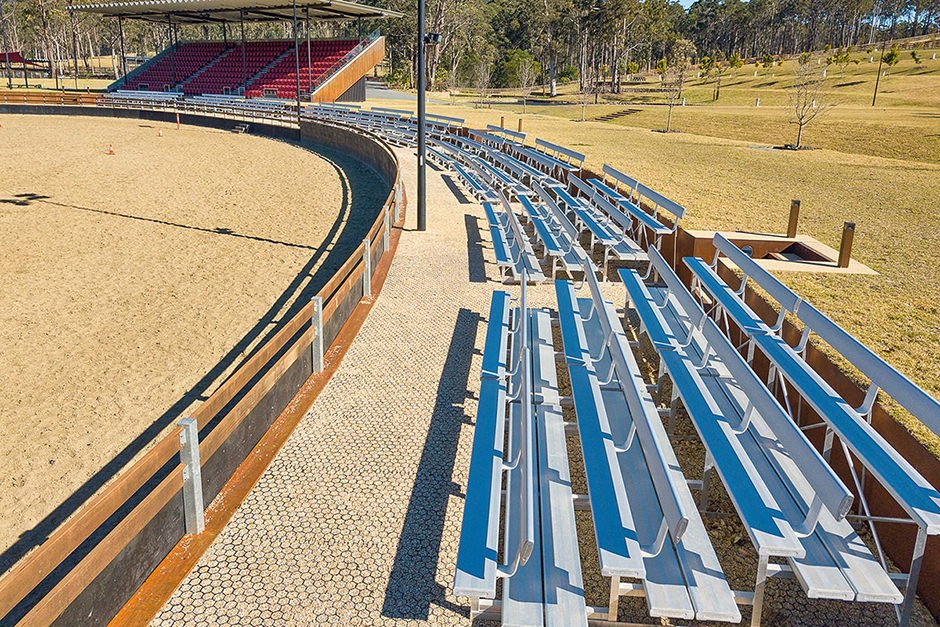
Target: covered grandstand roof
(208, 11)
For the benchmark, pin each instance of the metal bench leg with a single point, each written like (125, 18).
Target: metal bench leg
(910, 590)
(759, 590)
(614, 599)
(706, 476)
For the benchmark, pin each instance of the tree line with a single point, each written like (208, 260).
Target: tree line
(496, 41)
(608, 40)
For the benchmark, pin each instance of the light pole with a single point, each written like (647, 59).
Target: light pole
(422, 201)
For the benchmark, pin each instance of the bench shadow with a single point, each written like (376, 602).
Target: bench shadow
(362, 194)
(412, 585)
(476, 265)
(455, 190)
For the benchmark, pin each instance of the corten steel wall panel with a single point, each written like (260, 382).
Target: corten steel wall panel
(218, 469)
(333, 326)
(101, 600)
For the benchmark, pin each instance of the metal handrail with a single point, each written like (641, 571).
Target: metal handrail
(349, 56)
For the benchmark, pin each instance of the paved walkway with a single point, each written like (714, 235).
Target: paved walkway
(356, 522)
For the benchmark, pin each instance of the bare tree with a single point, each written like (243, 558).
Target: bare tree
(526, 74)
(807, 99)
(483, 75)
(675, 74)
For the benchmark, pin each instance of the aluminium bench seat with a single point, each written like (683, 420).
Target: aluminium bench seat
(480, 190)
(514, 255)
(645, 521)
(913, 493)
(792, 504)
(558, 236)
(540, 568)
(607, 224)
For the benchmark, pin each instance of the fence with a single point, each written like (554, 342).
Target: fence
(92, 564)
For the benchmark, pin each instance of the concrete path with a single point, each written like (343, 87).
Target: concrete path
(356, 522)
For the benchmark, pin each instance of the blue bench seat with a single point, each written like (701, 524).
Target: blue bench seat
(635, 485)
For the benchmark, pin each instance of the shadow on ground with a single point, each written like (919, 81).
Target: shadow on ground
(413, 586)
(476, 266)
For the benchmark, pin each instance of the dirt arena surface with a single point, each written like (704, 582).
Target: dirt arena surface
(133, 283)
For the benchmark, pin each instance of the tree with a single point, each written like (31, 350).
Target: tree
(735, 62)
(526, 74)
(482, 76)
(892, 57)
(807, 99)
(674, 81)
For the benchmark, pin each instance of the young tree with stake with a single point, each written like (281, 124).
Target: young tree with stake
(807, 99)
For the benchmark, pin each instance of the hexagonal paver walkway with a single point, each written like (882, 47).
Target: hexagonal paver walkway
(356, 521)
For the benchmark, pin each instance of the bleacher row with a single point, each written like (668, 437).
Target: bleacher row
(209, 67)
(519, 552)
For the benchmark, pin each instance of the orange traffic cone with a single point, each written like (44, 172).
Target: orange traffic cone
(110, 149)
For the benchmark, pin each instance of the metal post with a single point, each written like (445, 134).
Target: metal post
(794, 217)
(845, 247)
(296, 62)
(241, 19)
(123, 54)
(309, 63)
(422, 175)
(910, 590)
(193, 505)
(316, 322)
(172, 54)
(367, 273)
(388, 229)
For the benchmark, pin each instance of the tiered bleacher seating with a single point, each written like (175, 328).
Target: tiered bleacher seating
(514, 255)
(558, 236)
(175, 66)
(227, 74)
(648, 227)
(607, 223)
(848, 567)
(280, 80)
(541, 570)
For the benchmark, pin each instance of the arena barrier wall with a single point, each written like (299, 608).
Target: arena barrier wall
(90, 566)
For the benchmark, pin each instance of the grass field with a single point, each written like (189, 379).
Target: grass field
(877, 167)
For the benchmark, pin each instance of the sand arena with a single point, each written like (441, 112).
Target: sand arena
(135, 282)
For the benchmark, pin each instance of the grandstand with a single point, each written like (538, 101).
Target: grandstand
(319, 70)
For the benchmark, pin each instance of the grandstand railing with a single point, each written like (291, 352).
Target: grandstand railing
(140, 497)
(361, 47)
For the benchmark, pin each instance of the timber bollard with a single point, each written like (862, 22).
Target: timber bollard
(845, 247)
(502, 121)
(794, 218)
(520, 125)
